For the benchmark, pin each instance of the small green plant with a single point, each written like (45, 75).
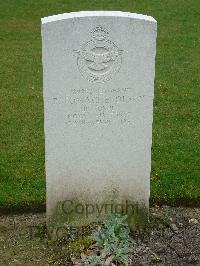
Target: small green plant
(113, 242)
(93, 260)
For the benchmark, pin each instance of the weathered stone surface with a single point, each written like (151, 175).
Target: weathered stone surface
(98, 74)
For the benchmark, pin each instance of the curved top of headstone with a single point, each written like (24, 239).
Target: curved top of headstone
(82, 14)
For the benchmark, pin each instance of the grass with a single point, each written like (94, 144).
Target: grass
(176, 132)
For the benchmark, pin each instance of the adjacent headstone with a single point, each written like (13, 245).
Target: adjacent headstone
(98, 74)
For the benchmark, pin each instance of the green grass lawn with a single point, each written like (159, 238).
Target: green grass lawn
(176, 131)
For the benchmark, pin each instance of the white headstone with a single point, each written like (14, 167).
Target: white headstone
(98, 74)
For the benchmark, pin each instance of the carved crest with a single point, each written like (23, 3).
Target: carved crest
(99, 59)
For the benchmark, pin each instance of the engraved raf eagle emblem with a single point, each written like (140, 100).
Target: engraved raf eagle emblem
(99, 59)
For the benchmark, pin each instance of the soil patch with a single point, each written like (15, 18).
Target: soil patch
(173, 238)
